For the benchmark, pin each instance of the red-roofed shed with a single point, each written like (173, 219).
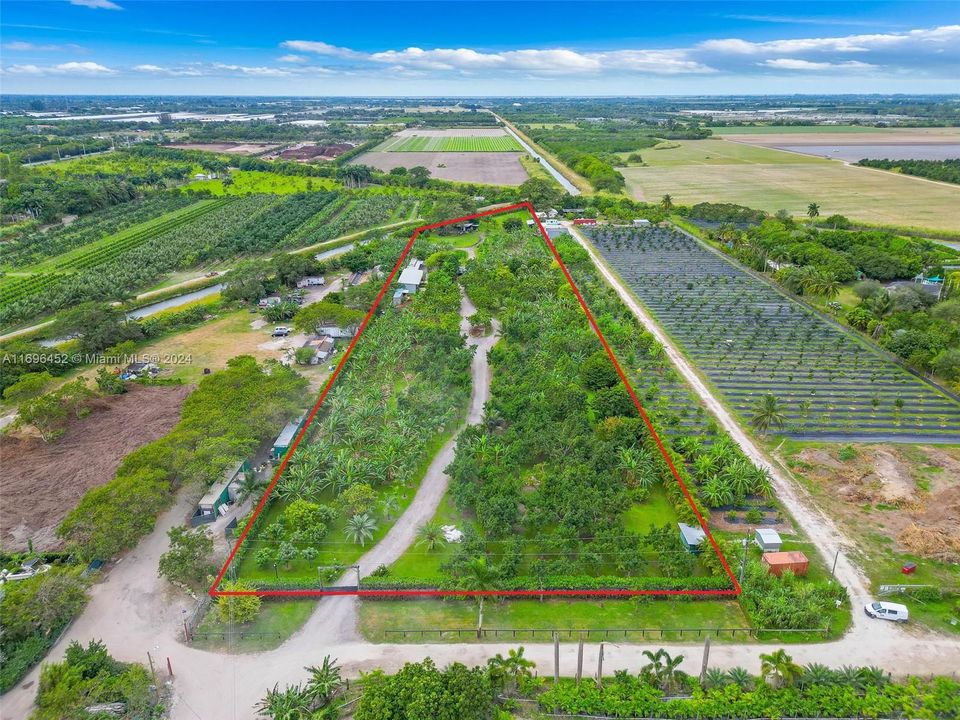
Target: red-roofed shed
(779, 562)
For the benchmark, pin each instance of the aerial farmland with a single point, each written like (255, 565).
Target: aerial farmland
(477, 155)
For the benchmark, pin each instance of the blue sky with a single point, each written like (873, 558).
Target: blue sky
(492, 48)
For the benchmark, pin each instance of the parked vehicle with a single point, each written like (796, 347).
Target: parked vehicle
(281, 331)
(887, 611)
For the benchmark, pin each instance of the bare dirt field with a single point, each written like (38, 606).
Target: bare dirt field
(41, 481)
(489, 168)
(909, 495)
(230, 148)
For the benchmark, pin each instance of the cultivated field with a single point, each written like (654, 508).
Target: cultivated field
(750, 340)
(50, 478)
(504, 143)
(768, 179)
(246, 182)
(488, 168)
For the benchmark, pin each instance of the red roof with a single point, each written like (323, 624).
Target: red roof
(584, 221)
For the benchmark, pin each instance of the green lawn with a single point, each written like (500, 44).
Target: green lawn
(255, 181)
(378, 616)
(656, 510)
(277, 621)
(766, 179)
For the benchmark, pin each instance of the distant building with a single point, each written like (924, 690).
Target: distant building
(285, 439)
(269, 301)
(311, 281)
(585, 221)
(322, 348)
(220, 495)
(401, 296)
(336, 331)
(412, 276)
(692, 536)
(640, 222)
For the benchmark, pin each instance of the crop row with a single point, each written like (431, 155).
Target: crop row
(50, 242)
(751, 340)
(111, 247)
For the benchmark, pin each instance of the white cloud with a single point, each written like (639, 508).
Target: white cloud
(96, 4)
(299, 59)
(320, 48)
(18, 46)
(795, 64)
(170, 72)
(555, 61)
(90, 69)
(845, 44)
(254, 71)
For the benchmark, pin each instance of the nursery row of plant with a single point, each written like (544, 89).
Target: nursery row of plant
(402, 392)
(769, 355)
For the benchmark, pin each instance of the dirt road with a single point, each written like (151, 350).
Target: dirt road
(820, 529)
(135, 612)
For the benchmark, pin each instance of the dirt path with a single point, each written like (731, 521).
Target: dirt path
(134, 612)
(820, 529)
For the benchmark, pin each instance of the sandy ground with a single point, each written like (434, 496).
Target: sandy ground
(925, 491)
(230, 148)
(41, 482)
(489, 168)
(133, 612)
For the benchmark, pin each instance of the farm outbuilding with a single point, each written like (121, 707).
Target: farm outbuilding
(322, 348)
(311, 281)
(285, 438)
(767, 540)
(412, 276)
(692, 536)
(220, 494)
(778, 563)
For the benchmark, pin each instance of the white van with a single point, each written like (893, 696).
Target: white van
(887, 611)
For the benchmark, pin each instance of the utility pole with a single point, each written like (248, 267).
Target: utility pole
(743, 562)
(556, 658)
(600, 666)
(833, 570)
(706, 661)
(580, 660)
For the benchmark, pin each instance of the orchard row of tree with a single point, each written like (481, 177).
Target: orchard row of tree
(942, 170)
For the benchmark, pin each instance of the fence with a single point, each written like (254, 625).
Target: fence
(191, 620)
(592, 633)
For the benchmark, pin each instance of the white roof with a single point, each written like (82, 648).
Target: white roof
(694, 535)
(767, 535)
(411, 276)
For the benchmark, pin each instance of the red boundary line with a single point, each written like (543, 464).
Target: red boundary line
(214, 592)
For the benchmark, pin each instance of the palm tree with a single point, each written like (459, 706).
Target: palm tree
(324, 682)
(740, 677)
(780, 667)
(249, 486)
(513, 667)
(666, 202)
(481, 578)
(715, 678)
(360, 528)
(662, 668)
(813, 210)
(816, 674)
(431, 535)
(767, 414)
(291, 703)
(716, 493)
(636, 464)
(390, 506)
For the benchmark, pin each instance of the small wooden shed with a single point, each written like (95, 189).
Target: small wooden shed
(778, 563)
